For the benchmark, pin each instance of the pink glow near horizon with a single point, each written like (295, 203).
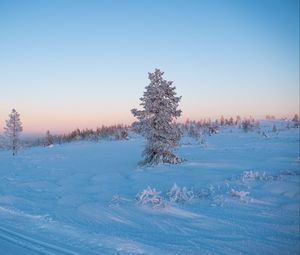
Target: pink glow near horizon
(60, 123)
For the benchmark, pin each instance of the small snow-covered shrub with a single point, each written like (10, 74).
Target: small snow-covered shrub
(252, 176)
(121, 134)
(212, 130)
(296, 121)
(180, 195)
(239, 194)
(207, 192)
(150, 197)
(247, 125)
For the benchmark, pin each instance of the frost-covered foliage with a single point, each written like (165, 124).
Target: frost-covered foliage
(12, 131)
(295, 118)
(2, 142)
(230, 121)
(239, 194)
(296, 121)
(114, 132)
(199, 129)
(247, 125)
(150, 197)
(206, 192)
(195, 130)
(264, 134)
(121, 134)
(155, 121)
(180, 195)
(255, 175)
(48, 139)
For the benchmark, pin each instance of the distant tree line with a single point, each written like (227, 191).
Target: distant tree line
(195, 129)
(113, 132)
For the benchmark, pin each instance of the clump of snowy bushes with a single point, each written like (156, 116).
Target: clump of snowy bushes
(114, 132)
(180, 195)
(150, 197)
(199, 129)
(207, 192)
(242, 195)
(296, 121)
(206, 127)
(217, 195)
(249, 176)
(256, 175)
(154, 199)
(247, 125)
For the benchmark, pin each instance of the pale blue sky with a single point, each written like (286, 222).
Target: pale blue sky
(67, 64)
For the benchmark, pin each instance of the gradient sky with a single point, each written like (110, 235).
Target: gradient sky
(68, 64)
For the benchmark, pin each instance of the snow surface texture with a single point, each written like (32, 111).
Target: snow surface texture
(238, 195)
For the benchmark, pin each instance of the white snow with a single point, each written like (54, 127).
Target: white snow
(237, 195)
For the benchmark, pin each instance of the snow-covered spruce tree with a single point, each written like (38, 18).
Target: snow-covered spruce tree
(48, 139)
(156, 120)
(12, 130)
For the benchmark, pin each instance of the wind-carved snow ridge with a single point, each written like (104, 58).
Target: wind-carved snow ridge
(19, 213)
(151, 197)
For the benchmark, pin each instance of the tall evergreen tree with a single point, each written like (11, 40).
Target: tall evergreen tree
(155, 121)
(295, 118)
(48, 139)
(12, 130)
(222, 121)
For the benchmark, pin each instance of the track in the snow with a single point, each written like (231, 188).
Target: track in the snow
(34, 245)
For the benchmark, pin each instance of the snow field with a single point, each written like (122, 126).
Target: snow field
(237, 195)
